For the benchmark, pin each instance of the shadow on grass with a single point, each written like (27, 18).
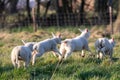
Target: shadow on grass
(42, 72)
(115, 59)
(6, 69)
(45, 71)
(93, 73)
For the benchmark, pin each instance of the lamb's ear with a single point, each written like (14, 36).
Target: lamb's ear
(80, 30)
(23, 42)
(59, 35)
(53, 34)
(86, 29)
(112, 39)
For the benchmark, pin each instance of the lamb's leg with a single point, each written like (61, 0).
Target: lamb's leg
(86, 47)
(110, 53)
(98, 51)
(98, 54)
(54, 54)
(68, 53)
(18, 64)
(83, 54)
(14, 63)
(101, 55)
(36, 55)
(62, 49)
(103, 51)
(26, 63)
(58, 53)
(33, 59)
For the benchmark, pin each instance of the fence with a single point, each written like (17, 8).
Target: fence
(61, 19)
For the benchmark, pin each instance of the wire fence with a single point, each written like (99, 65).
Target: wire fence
(59, 20)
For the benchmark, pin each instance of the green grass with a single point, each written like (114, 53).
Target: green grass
(74, 68)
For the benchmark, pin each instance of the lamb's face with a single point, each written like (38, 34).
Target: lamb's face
(112, 42)
(86, 33)
(57, 38)
(30, 45)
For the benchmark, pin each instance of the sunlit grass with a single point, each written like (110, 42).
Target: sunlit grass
(74, 68)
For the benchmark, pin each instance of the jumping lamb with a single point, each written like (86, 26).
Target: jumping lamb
(78, 43)
(104, 47)
(46, 45)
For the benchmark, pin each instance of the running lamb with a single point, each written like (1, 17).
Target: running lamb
(46, 45)
(78, 43)
(104, 47)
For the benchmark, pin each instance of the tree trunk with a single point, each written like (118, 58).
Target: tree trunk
(38, 12)
(117, 22)
(34, 20)
(59, 10)
(13, 6)
(48, 5)
(28, 11)
(81, 11)
(102, 10)
(2, 6)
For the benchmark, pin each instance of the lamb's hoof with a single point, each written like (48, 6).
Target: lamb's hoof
(98, 58)
(83, 55)
(93, 55)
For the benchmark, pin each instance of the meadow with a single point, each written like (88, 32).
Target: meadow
(74, 68)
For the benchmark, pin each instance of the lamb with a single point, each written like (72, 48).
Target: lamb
(46, 45)
(78, 43)
(104, 47)
(21, 53)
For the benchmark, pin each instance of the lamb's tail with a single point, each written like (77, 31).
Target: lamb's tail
(65, 42)
(101, 44)
(23, 42)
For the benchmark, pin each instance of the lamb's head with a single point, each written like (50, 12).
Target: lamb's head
(85, 33)
(57, 38)
(112, 42)
(28, 44)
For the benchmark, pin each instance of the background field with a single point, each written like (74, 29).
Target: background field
(74, 68)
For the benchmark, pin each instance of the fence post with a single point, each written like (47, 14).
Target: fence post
(110, 14)
(34, 20)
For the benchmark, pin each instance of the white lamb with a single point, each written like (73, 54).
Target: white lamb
(46, 45)
(104, 47)
(75, 44)
(21, 53)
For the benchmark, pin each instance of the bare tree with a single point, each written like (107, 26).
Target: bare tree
(81, 11)
(28, 10)
(102, 10)
(8, 6)
(117, 22)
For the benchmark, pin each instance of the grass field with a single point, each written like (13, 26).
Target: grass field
(74, 68)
